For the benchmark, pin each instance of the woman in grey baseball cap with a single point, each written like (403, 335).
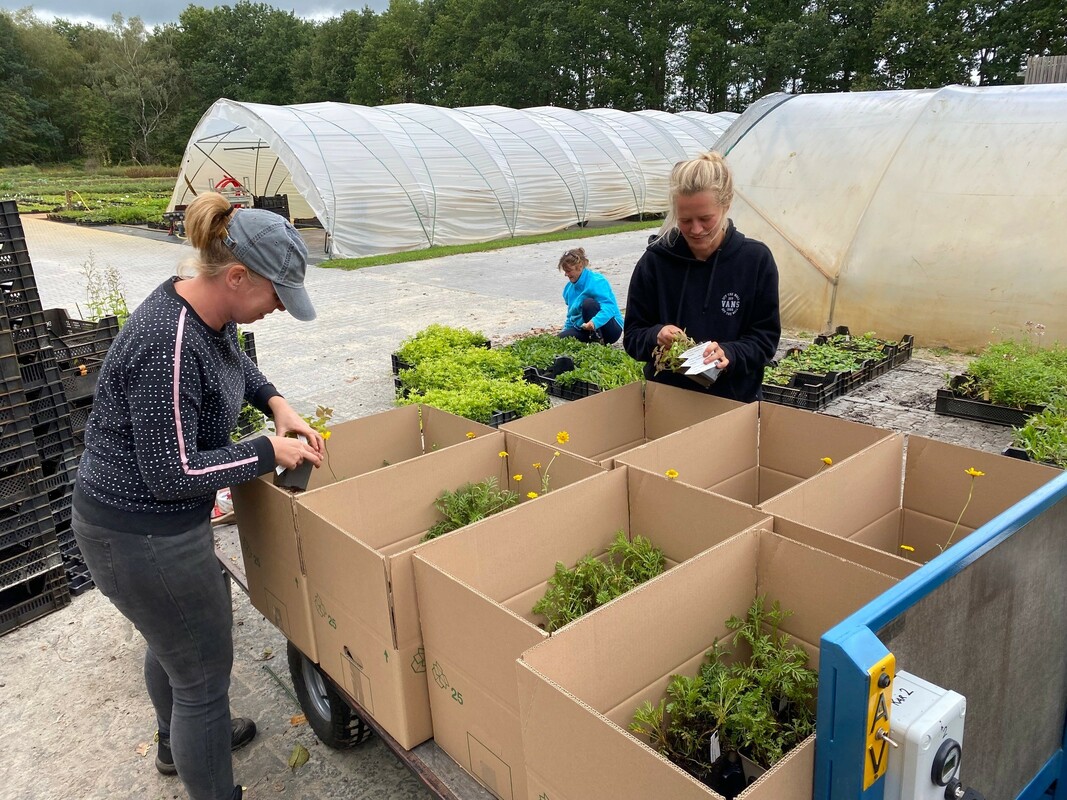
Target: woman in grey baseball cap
(157, 448)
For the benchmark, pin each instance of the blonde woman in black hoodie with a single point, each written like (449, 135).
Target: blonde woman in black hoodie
(702, 276)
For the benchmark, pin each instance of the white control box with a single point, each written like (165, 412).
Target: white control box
(926, 722)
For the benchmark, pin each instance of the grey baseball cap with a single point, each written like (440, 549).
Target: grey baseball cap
(270, 246)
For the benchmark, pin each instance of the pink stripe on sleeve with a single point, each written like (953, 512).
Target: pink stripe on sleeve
(178, 416)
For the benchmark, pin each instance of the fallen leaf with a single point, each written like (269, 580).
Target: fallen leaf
(298, 719)
(299, 757)
(267, 655)
(142, 749)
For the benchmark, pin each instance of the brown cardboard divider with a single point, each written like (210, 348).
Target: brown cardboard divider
(358, 537)
(909, 492)
(755, 452)
(476, 591)
(606, 424)
(573, 686)
(266, 515)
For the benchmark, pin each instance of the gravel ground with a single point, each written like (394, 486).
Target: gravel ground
(74, 716)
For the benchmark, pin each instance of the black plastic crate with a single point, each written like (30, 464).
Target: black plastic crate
(41, 372)
(39, 556)
(10, 369)
(10, 222)
(79, 580)
(498, 418)
(23, 521)
(573, 391)
(75, 340)
(14, 257)
(59, 507)
(949, 403)
(20, 297)
(811, 397)
(16, 437)
(57, 474)
(79, 382)
(1022, 455)
(17, 484)
(34, 599)
(55, 440)
(47, 401)
(247, 340)
(79, 417)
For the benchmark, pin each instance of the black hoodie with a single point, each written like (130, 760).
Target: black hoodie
(731, 298)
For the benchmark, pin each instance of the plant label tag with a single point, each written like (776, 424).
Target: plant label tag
(714, 751)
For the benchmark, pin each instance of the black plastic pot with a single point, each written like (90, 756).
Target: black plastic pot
(296, 479)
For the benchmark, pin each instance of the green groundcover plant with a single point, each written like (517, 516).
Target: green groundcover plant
(592, 582)
(478, 399)
(1044, 436)
(606, 367)
(760, 706)
(1015, 373)
(435, 341)
(459, 367)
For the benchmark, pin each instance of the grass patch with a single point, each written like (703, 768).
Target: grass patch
(481, 247)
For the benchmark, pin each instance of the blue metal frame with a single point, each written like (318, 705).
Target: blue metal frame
(849, 649)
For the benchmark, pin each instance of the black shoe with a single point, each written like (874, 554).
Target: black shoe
(244, 731)
(238, 792)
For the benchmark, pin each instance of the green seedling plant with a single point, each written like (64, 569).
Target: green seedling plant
(250, 420)
(480, 398)
(592, 582)
(669, 357)
(760, 707)
(1044, 436)
(105, 295)
(470, 503)
(459, 367)
(1015, 373)
(606, 367)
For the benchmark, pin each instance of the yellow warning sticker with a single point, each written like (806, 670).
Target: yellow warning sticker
(880, 687)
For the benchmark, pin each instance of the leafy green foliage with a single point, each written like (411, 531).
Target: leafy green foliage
(1014, 373)
(669, 358)
(592, 582)
(459, 367)
(1044, 436)
(478, 399)
(470, 503)
(839, 353)
(761, 707)
(606, 367)
(435, 341)
(249, 421)
(541, 350)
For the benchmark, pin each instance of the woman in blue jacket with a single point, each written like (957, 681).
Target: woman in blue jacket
(592, 313)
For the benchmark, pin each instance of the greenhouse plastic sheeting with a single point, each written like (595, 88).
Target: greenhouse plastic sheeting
(940, 213)
(404, 177)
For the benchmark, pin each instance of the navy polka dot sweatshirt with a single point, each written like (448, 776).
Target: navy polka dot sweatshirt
(157, 443)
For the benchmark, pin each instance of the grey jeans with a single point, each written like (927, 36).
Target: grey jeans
(172, 589)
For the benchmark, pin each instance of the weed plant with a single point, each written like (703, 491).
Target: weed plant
(470, 503)
(761, 707)
(592, 582)
(105, 296)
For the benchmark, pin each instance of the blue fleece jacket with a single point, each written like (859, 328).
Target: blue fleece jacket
(594, 285)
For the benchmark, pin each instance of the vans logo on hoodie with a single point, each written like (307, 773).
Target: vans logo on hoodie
(731, 303)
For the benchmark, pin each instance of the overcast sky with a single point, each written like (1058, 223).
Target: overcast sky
(154, 12)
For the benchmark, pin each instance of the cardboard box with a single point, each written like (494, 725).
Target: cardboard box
(357, 538)
(266, 515)
(883, 498)
(754, 452)
(476, 595)
(578, 690)
(603, 425)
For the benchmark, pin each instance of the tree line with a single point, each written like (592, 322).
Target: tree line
(128, 93)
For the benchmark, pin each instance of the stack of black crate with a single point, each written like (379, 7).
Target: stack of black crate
(40, 565)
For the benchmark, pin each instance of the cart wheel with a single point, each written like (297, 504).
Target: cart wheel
(332, 719)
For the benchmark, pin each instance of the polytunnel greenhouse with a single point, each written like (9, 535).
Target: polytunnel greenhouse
(941, 213)
(404, 177)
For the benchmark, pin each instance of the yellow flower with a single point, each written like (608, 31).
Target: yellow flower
(531, 495)
(503, 454)
(974, 473)
(327, 435)
(828, 461)
(516, 478)
(907, 547)
(555, 454)
(470, 434)
(671, 474)
(537, 465)
(563, 437)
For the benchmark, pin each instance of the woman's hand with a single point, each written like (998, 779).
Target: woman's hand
(715, 353)
(588, 326)
(287, 421)
(290, 452)
(667, 334)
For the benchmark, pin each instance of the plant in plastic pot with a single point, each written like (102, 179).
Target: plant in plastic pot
(297, 479)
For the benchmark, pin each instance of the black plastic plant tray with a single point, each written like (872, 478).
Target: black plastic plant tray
(47, 401)
(27, 520)
(34, 599)
(574, 391)
(79, 383)
(41, 556)
(949, 404)
(74, 340)
(811, 397)
(1022, 455)
(498, 418)
(17, 485)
